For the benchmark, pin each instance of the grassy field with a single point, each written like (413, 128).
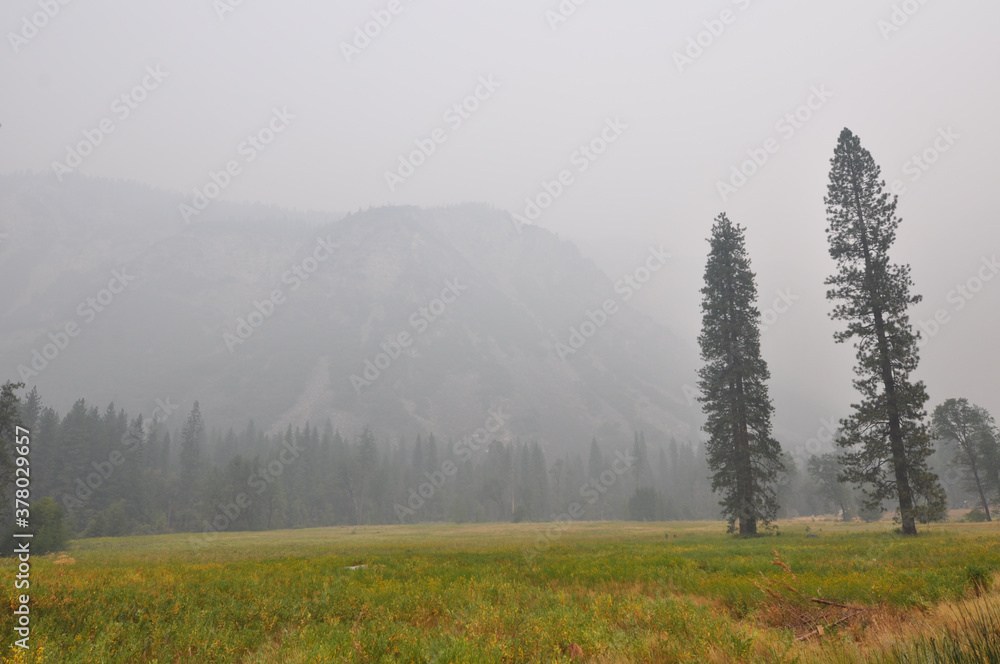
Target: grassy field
(591, 592)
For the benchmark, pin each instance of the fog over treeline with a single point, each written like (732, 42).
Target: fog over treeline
(117, 474)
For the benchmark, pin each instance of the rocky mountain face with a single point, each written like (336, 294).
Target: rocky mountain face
(408, 320)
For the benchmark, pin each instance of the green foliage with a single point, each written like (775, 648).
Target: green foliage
(645, 504)
(826, 471)
(972, 434)
(192, 439)
(115, 475)
(871, 514)
(49, 527)
(974, 515)
(467, 594)
(743, 457)
(980, 578)
(111, 522)
(885, 441)
(9, 420)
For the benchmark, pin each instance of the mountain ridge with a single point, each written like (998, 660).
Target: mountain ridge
(494, 345)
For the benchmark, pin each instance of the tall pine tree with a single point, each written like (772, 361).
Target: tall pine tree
(9, 421)
(595, 462)
(743, 457)
(192, 440)
(886, 441)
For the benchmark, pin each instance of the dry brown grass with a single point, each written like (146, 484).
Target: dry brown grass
(884, 629)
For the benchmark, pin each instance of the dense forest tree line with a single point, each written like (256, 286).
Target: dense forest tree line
(111, 474)
(114, 474)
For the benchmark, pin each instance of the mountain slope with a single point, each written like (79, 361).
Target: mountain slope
(470, 310)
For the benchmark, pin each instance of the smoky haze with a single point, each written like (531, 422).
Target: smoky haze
(669, 99)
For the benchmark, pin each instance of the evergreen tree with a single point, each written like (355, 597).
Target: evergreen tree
(74, 455)
(10, 407)
(192, 439)
(48, 526)
(45, 453)
(972, 430)
(743, 457)
(31, 408)
(825, 471)
(185, 493)
(417, 467)
(366, 463)
(645, 504)
(333, 481)
(434, 507)
(539, 480)
(886, 441)
(226, 449)
(595, 462)
(788, 489)
(165, 451)
(642, 472)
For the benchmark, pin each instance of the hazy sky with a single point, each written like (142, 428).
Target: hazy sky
(908, 77)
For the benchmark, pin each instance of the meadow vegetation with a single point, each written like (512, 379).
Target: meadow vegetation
(602, 592)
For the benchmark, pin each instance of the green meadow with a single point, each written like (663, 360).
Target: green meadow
(603, 592)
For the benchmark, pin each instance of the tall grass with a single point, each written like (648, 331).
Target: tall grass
(972, 638)
(617, 592)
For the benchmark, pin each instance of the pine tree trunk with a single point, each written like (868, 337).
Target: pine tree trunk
(899, 464)
(996, 479)
(982, 497)
(979, 487)
(748, 521)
